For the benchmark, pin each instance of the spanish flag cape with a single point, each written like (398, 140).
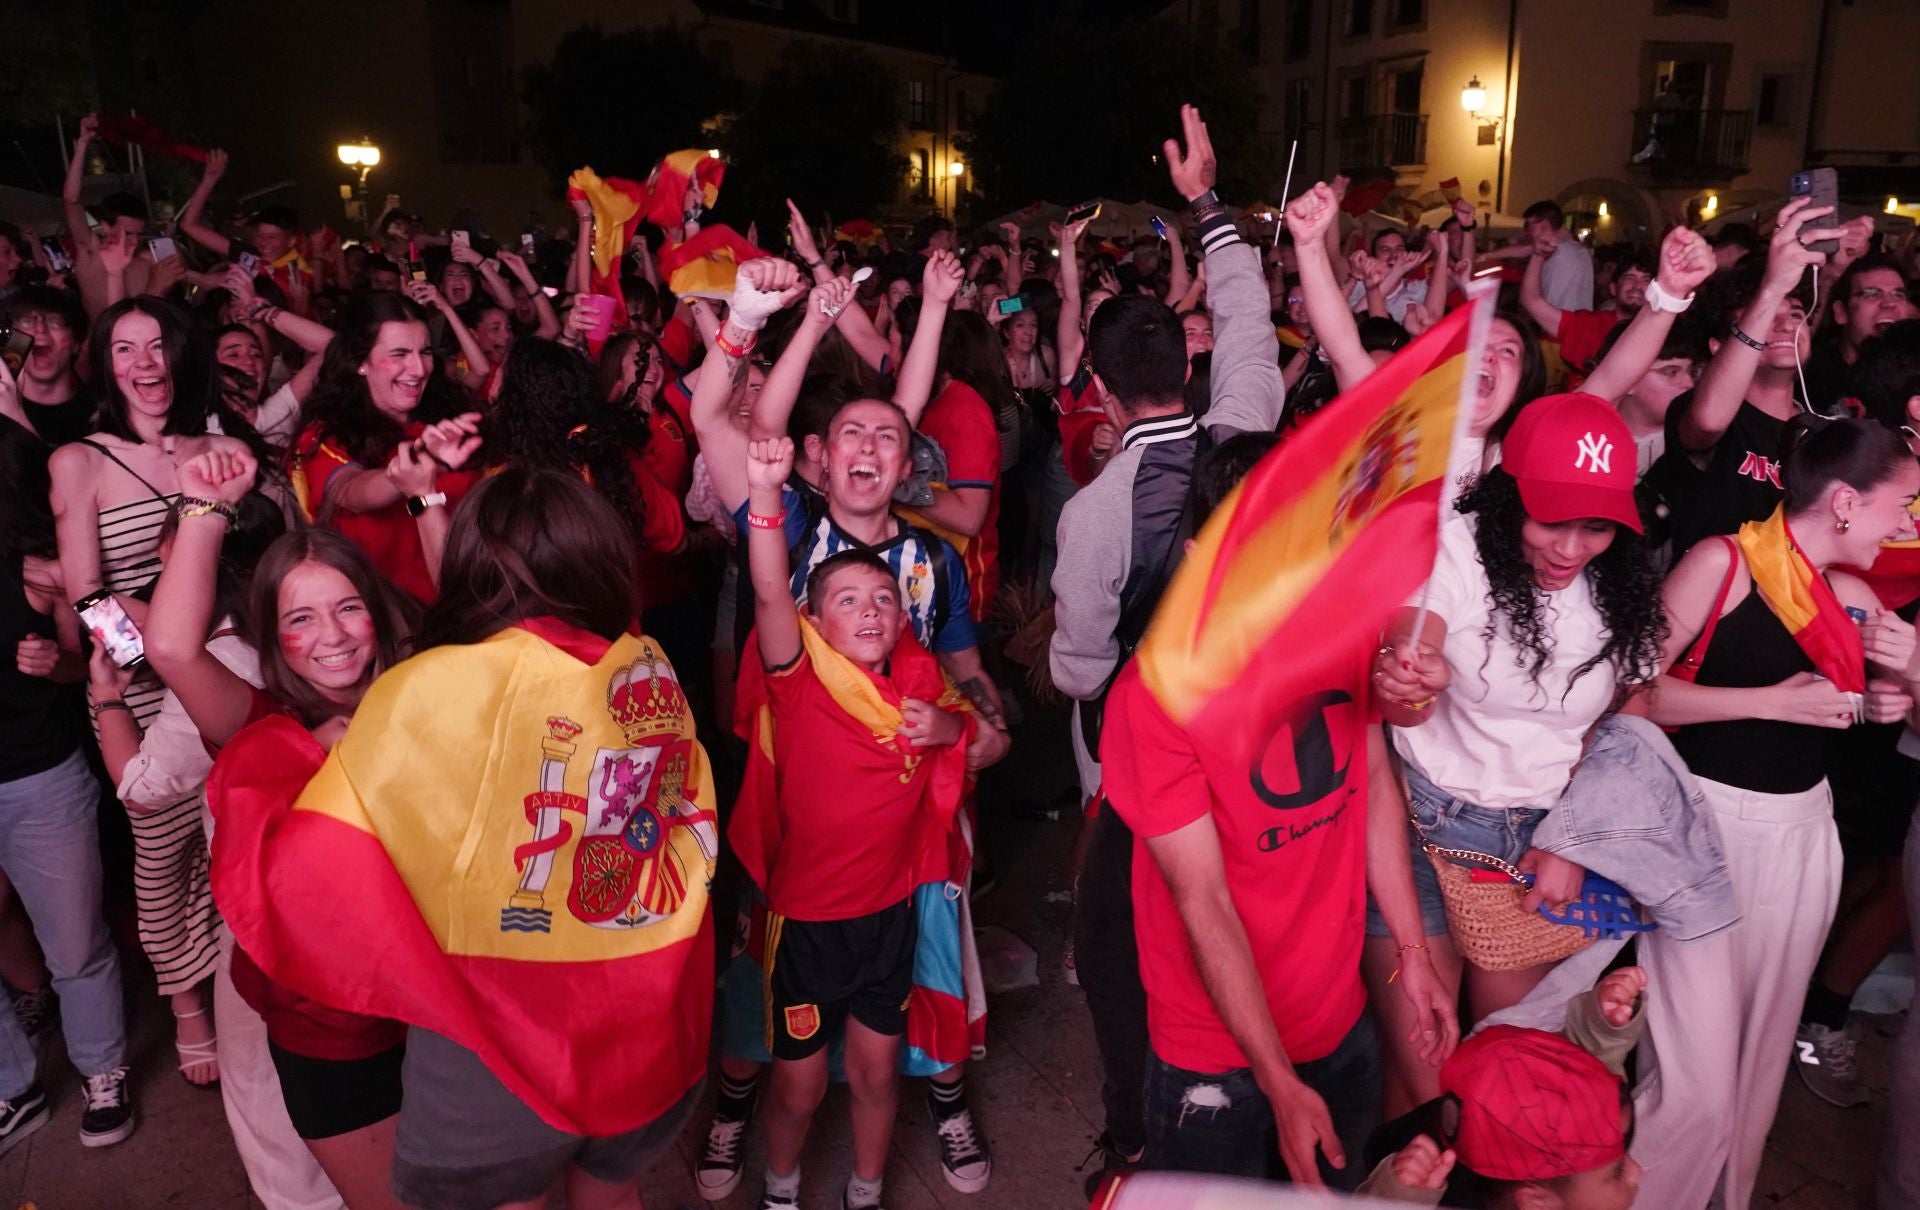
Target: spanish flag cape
(1895, 575)
(1295, 573)
(874, 702)
(1803, 601)
(511, 847)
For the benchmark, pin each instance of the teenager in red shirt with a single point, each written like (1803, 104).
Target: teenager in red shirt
(837, 849)
(972, 377)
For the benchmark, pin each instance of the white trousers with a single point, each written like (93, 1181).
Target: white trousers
(1900, 1150)
(284, 1174)
(1720, 1033)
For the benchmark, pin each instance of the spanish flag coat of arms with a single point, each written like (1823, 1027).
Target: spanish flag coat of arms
(511, 846)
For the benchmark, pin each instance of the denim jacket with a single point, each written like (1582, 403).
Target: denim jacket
(1632, 813)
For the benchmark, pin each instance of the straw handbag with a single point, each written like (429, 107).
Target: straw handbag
(1491, 928)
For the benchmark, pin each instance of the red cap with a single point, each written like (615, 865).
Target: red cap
(1533, 1106)
(1573, 457)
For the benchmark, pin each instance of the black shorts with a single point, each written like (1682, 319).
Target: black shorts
(817, 972)
(328, 1097)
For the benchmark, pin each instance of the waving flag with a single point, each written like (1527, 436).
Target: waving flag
(1803, 601)
(511, 847)
(1895, 575)
(1297, 570)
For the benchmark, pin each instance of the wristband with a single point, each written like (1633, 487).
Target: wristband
(1664, 303)
(761, 521)
(112, 703)
(1209, 198)
(193, 506)
(420, 504)
(733, 350)
(1746, 340)
(816, 263)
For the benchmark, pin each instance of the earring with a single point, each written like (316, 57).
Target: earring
(1842, 525)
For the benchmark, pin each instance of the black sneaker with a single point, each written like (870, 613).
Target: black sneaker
(38, 1011)
(1113, 1163)
(772, 1201)
(719, 1172)
(963, 1157)
(109, 1113)
(22, 1116)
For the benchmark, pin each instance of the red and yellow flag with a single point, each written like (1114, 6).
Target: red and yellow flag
(1895, 575)
(1297, 570)
(511, 847)
(1803, 601)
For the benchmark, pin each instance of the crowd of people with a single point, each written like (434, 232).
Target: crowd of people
(517, 659)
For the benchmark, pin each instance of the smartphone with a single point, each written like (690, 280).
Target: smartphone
(115, 630)
(1159, 226)
(1007, 306)
(1822, 186)
(57, 258)
(1083, 214)
(462, 239)
(249, 263)
(526, 244)
(14, 347)
(162, 248)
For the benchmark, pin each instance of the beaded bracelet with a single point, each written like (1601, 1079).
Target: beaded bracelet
(193, 506)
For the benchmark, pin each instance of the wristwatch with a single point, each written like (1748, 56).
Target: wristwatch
(1665, 303)
(420, 504)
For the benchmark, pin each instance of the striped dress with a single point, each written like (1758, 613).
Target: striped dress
(173, 898)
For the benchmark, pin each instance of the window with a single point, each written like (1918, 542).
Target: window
(1297, 34)
(1402, 87)
(1774, 100)
(919, 112)
(1406, 15)
(1353, 96)
(1359, 18)
(1295, 114)
(920, 175)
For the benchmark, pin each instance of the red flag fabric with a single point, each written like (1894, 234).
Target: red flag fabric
(131, 129)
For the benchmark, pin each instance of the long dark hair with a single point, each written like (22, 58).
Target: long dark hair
(189, 358)
(548, 416)
(972, 354)
(1626, 589)
(342, 406)
(393, 613)
(1533, 370)
(26, 508)
(531, 543)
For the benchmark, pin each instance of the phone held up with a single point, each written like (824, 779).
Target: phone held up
(1822, 187)
(110, 624)
(14, 347)
(1007, 306)
(1084, 213)
(1159, 226)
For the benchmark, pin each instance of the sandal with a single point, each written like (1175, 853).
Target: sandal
(199, 1061)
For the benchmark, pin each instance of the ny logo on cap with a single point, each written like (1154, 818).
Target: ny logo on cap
(1596, 454)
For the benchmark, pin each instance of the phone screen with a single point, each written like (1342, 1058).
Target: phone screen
(1821, 186)
(1081, 214)
(526, 243)
(462, 239)
(249, 263)
(1007, 306)
(161, 247)
(1159, 227)
(113, 628)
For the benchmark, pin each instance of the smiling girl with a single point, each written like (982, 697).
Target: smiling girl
(365, 430)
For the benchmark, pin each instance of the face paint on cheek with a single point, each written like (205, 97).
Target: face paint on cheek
(292, 643)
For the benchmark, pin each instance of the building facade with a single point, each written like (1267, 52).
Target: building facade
(1662, 109)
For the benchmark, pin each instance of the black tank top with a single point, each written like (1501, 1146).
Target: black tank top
(1752, 649)
(38, 723)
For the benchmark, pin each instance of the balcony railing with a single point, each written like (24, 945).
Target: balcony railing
(1691, 146)
(1392, 139)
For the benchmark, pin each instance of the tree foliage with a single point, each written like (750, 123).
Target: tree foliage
(1085, 107)
(619, 101)
(824, 128)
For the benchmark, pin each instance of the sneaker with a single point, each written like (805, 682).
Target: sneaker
(848, 1205)
(109, 1114)
(22, 1116)
(38, 1011)
(1824, 1059)
(963, 1157)
(1113, 1164)
(722, 1161)
(773, 1201)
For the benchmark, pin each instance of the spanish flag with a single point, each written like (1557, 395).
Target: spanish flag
(511, 846)
(1895, 575)
(1297, 570)
(1803, 601)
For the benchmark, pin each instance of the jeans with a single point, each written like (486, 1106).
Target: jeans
(1222, 1123)
(1454, 823)
(1107, 958)
(50, 848)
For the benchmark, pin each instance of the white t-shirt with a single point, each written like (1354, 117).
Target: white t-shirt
(1496, 738)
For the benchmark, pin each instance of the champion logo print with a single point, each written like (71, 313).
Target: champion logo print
(1595, 454)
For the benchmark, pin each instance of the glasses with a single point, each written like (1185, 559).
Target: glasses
(1874, 294)
(40, 321)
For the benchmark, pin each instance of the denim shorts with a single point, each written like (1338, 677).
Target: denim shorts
(1454, 823)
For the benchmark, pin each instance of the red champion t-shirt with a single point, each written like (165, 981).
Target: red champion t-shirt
(851, 820)
(1293, 836)
(1581, 335)
(962, 422)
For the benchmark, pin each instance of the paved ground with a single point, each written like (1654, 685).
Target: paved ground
(1036, 1095)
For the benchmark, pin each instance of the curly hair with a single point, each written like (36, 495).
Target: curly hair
(1626, 589)
(342, 406)
(548, 417)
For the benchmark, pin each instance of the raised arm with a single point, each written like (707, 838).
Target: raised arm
(1535, 303)
(1686, 260)
(782, 389)
(920, 362)
(1723, 386)
(800, 236)
(1308, 218)
(428, 295)
(416, 466)
(854, 323)
(761, 287)
(1015, 265)
(181, 615)
(70, 204)
(776, 618)
(542, 305)
(1179, 277)
(1068, 338)
(580, 275)
(190, 216)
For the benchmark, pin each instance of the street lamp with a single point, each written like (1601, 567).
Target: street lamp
(362, 155)
(957, 168)
(1473, 98)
